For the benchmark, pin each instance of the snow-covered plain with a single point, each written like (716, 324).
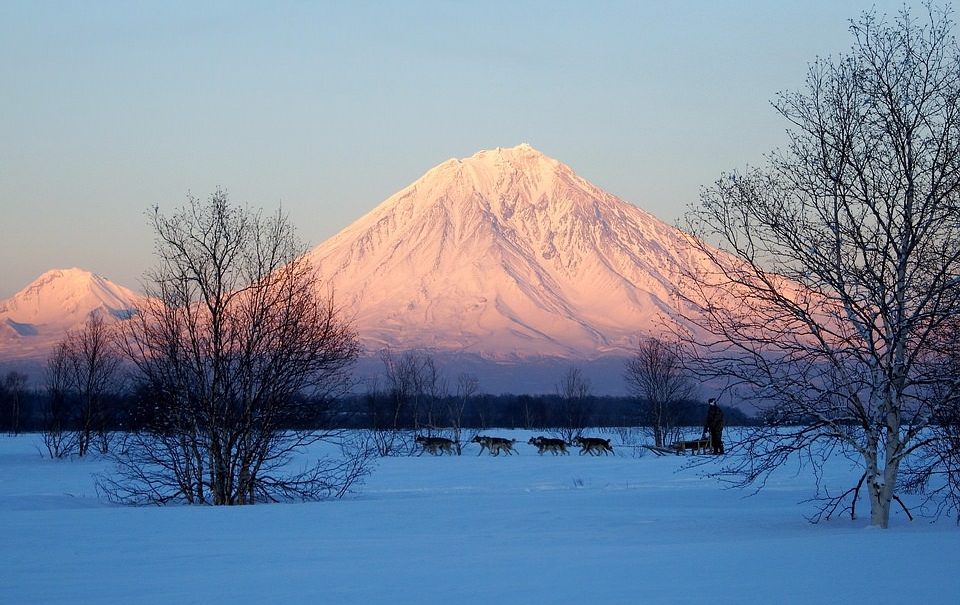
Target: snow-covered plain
(468, 529)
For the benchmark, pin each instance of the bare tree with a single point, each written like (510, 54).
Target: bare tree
(384, 436)
(435, 390)
(59, 440)
(92, 373)
(82, 372)
(467, 386)
(840, 260)
(655, 374)
(235, 345)
(575, 402)
(403, 386)
(415, 386)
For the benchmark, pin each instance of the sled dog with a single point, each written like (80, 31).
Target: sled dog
(547, 444)
(494, 445)
(593, 445)
(437, 445)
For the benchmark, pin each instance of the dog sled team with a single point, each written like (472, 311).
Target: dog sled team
(595, 446)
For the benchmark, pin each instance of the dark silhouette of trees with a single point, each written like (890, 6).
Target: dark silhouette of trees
(14, 402)
(934, 470)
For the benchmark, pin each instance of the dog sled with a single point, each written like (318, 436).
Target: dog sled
(680, 448)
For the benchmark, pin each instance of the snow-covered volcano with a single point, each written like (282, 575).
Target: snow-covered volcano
(506, 254)
(35, 319)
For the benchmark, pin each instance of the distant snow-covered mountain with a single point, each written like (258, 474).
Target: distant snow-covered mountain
(505, 264)
(36, 318)
(506, 254)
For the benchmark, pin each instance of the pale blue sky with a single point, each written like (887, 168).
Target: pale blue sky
(329, 107)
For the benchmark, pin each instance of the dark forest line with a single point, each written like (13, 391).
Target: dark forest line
(28, 410)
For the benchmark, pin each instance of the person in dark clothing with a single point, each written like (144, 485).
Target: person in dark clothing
(714, 424)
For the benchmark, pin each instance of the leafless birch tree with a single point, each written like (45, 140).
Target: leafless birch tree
(59, 440)
(93, 373)
(234, 345)
(573, 389)
(656, 375)
(416, 387)
(840, 260)
(467, 386)
(82, 373)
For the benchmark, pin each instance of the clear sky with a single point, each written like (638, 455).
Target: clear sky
(327, 108)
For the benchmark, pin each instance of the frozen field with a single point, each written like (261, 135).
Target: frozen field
(469, 529)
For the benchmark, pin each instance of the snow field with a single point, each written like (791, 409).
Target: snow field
(467, 529)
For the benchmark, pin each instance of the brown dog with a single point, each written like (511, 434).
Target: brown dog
(547, 444)
(437, 445)
(494, 445)
(593, 445)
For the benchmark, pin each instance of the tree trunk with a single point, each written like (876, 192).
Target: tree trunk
(881, 483)
(882, 486)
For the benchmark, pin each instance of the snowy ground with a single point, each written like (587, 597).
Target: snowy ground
(469, 529)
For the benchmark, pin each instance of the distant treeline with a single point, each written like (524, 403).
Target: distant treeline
(515, 411)
(27, 410)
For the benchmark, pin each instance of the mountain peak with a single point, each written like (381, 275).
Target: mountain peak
(69, 278)
(518, 151)
(521, 157)
(497, 179)
(507, 252)
(66, 297)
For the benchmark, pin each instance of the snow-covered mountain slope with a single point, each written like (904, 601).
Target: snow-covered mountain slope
(35, 319)
(506, 254)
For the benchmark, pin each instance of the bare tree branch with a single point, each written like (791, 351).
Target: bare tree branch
(839, 260)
